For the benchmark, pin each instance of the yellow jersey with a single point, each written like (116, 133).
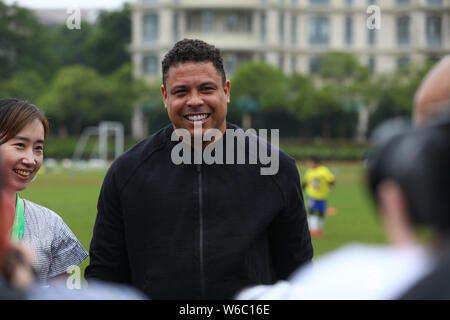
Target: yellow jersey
(318, 182)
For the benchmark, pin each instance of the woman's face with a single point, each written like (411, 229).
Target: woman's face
(22, 156)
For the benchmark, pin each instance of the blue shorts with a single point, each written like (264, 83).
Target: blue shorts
(317, 205)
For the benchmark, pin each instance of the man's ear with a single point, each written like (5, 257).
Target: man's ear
(164, 94)
(226, 89)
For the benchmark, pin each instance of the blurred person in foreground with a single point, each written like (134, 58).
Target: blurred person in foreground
(432, 99)
(409, 178)
(197, 230)
(318, 181)
(17, 275)
(23, 130)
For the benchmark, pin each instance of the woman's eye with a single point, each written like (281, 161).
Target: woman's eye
(20, 145)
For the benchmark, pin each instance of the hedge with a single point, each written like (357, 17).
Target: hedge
(61, 148)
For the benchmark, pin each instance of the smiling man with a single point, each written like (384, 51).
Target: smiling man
(197, 231)
(195, 90)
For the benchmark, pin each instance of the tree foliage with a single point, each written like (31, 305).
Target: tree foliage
(79, 96)
(264, 84)
(111, 35)
(23, 43)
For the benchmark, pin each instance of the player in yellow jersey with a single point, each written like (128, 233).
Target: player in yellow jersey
(318, 181)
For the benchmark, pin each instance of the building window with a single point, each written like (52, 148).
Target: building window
(348, 3)
(230, 64)
(262, 28)
(238, 22)
(193, 19)
(371, 39)
(348, 30)
(403, 62)
(149, 1)
(314, 65)
(319, 2)
(261, 57)
(281, 61)
(233, 60)
(231, 22)
(403, 37)
(281, 28)
(207, 21)
(433, 30)
(403, 2)
(371, 2)
(150, 65)
(176, 31)
(372, 65)
(150, 28)
(434, 2)
(294, 64)
(294, 29)
(318, 30)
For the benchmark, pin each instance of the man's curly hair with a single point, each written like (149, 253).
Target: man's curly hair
(192, 50)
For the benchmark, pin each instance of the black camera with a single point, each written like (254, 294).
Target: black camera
(418, 159)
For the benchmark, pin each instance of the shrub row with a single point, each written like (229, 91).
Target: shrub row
(61, 148)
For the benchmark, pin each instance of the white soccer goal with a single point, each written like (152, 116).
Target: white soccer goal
(100, 154)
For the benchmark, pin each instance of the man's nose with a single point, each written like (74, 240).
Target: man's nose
(195, 99)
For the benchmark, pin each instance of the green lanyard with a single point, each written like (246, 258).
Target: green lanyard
(19, 222)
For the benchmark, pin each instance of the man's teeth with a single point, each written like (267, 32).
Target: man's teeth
(198, 117)
(22, 173)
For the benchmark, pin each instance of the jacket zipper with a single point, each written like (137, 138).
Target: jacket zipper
(200, 200)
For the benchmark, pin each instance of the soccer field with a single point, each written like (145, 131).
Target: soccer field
(74, 197)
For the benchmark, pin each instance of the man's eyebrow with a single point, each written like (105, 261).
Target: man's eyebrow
(208, 83)
(28, 140)
(180, 86)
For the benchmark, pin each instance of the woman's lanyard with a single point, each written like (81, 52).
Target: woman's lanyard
(18, 228)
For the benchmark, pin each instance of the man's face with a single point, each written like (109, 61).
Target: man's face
(194, 93)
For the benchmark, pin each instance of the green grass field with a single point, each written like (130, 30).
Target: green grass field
(74, 198)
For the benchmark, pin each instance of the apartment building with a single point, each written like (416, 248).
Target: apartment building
(292, 34)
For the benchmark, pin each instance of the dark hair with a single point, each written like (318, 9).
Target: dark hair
(315, 158)
(190, 50)
(15, 114)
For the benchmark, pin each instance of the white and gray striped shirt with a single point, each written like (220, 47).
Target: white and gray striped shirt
(54, 245)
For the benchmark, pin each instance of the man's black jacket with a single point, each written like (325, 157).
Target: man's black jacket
(194, 231)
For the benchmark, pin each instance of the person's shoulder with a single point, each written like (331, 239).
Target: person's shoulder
(39, 211)
(324, 168)
(126, 163)
(41, 218)
(143, 149)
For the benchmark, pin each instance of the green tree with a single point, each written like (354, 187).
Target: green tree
(71, 46)
(107, 44)
(302, 97)
(354, 88)
(77, 96)
(23, 43)
(25, 85)
(263, 83)
(258, 86)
